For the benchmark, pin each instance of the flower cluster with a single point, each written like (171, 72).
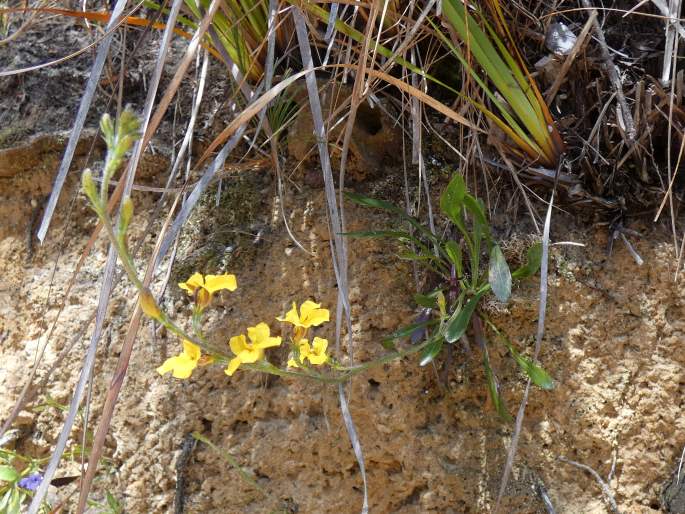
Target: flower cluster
(250, 349)
(202, 289)
(311, 315)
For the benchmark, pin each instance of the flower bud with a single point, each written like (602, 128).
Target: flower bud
(125, 215)
(149, 305)
(89, 186)
(107, 129)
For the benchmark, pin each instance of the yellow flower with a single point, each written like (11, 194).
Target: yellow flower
(316, 353)
(204, 287)
(183, 364)
(302, 350)
(311, 315)
(249, 352)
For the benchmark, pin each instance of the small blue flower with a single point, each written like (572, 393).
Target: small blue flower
(31, 482)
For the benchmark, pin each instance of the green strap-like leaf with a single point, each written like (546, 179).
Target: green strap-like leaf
(459, 322)
(373, 202)
(493, 388)
(454, 254)
(431, 351)
(536, 373)
(532, 266)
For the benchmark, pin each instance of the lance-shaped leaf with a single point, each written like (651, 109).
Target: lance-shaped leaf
(459, 322)
(493, 388)
(499, 275)
(534, 258)
(452, 199)
(431, 351)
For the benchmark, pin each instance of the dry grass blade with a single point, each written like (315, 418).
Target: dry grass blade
(180, 73)
(423, 97)
(235, 129)
(84, 107)
(86, 370)
(197, 192)
(106, 290)
(544, 268)
(339, 253)
(98, 444)
(249, 112)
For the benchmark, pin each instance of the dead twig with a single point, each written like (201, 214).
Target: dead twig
(612, 72)
(606, 491)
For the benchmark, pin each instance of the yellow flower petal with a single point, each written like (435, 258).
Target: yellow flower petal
(259, 336)
(191, 350)
(214, 283)
(292, 317)
(181, 366)
(320, 345)
(311, 315)
(318, 354)
(233, 365)
(196, 280)
(303, 348)
(251, 355)
(258, 333)
(238, 344)
(292, 363)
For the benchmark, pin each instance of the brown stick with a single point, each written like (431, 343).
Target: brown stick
(612, 72)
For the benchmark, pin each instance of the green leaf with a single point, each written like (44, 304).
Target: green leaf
(453, 251)
(373, 202)
(477, 209)
(5, 499)
(409, 330)
(113, 503)
(499, 275)
(493, 388)
(431, 351)
(537, 375)
(429, 300)
(534, 259)
(389, 345)
(14, 505)
(452, 198)
(413, 256)
(8, 474)
(387, 206)
(459, 322)
(361, 234)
